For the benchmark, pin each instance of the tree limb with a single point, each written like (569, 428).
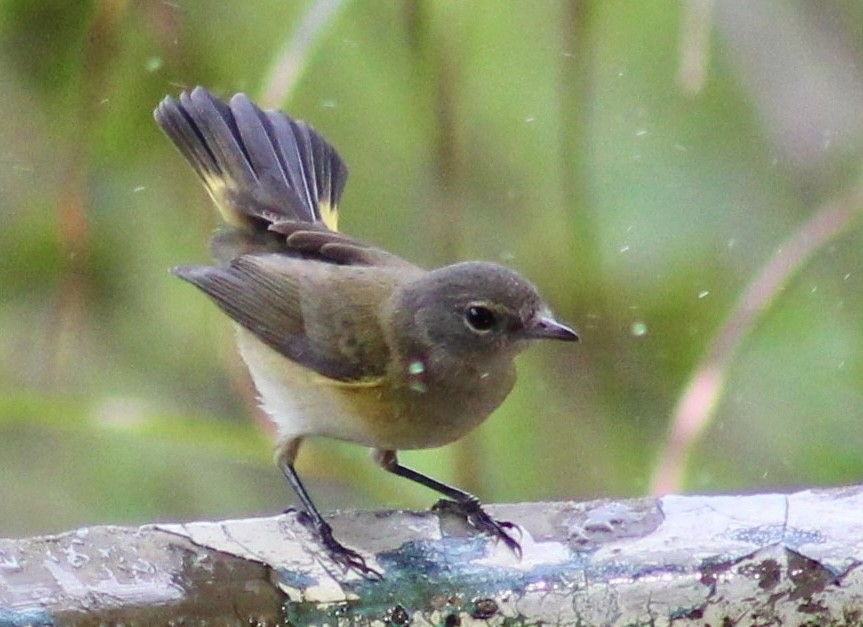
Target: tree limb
(681, 560)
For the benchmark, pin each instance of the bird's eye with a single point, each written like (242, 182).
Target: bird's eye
(480, 318)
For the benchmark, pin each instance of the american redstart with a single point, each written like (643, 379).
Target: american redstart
(343, 339)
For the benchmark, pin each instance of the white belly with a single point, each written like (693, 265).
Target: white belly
(299, 401)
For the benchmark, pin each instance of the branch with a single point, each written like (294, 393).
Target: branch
(765, 559)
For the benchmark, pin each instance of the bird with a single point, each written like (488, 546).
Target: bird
(343, 339)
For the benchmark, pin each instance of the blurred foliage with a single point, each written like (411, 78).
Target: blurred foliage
(561, 138)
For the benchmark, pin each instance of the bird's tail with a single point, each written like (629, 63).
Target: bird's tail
(260, 167)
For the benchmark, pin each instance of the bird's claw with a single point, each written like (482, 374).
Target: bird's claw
(471, 510)
(347, 558)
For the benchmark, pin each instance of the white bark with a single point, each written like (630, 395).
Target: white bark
(762, 559)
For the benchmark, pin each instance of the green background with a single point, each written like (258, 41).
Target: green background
(560, 138)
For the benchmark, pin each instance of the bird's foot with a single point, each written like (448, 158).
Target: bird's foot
(348, 559)
(471, 510)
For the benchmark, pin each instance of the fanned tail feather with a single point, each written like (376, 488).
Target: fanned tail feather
(260, 167)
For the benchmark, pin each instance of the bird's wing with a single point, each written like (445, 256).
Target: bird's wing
(301, 309)
(317, 242)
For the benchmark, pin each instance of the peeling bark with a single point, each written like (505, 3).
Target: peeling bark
(761, 559)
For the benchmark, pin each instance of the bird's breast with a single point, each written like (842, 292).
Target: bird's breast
(389, 412)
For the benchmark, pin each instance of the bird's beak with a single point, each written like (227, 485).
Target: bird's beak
(547, 328)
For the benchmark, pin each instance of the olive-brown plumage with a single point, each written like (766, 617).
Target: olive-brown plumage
(343, 339)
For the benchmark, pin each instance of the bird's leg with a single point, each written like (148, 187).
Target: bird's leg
(339, 553)
(461, 503)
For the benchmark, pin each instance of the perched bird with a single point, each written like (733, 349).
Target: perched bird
(345, 340)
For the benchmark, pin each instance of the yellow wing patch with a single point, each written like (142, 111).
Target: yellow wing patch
(371, 382)
(329, 215)
(217, 188)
